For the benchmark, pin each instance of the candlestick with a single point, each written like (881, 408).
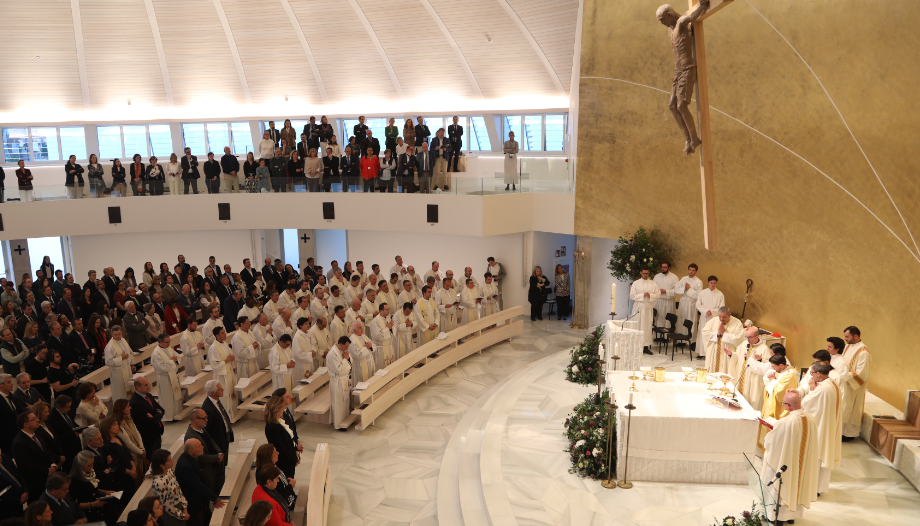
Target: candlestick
(610, 482)
(625, 483)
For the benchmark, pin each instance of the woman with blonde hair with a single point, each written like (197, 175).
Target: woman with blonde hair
(563, 303)
(30, 336)
(173, 174)
(536, 294)
(130, 437)
(278, 434)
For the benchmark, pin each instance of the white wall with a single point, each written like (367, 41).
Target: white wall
(452, 252)
(331, 244)
(132, 250)
(544, 249)
(599, 299)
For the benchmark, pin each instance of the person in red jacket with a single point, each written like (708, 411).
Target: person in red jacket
(175, 317)
(268, 481)
(370, 168)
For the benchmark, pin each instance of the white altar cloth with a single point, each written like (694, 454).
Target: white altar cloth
(630, 345)
(676, 436)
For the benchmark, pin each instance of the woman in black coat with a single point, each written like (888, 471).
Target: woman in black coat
(536, 294)
(278, 434)
(118, 178)
(74, 178)
(136, 175)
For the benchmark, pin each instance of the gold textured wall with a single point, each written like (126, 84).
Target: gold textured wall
(800, 209)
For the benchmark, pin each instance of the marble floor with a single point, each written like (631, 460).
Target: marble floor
(482, 444)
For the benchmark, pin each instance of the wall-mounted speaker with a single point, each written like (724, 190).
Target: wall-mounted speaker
(223, 211)
(432, 213)
(328, 210)
(1, 222)
(114, 215)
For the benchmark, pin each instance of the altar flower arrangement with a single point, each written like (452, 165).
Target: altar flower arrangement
(586, 429)
(583, 367)
(748, 518)
(642, 247)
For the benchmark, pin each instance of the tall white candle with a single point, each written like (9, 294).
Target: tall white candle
(600, 351)
(613, 297)
(631, 398)
(616, 349)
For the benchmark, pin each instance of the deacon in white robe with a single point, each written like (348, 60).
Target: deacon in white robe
(793, 443)
(428, 316)
(354, 314)
(490, 296)
(406, 326)
(707, 304)
(281, 364)
(362, 275)
(192, 345)
(320, 341)
(304, 291)
(722, 336)
(207, 330)
(382, 333)
(338, 326)
(688, 288)
(221, 359)
(824, 402)
(337, 361)
(644, 293)
(399, 269)
(388, 296)
(362, 356)
(165, 362)
(246, 349)
(283, 323)
(757, 358)
(302, 310)
(448, 304)
(272, 307)
(468, 274)
(263, 332)
(854, 380)
(471, 302)
(120, 360)
(338, 280)
(416, 279)
(319, 307)
(304, 358)
(666, 281)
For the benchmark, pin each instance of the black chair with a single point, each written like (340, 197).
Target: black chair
(552, 304)
(659, 332)
(676, 337)
(672, 320)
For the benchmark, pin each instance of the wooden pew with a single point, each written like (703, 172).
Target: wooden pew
(241, 471)
(146, 488)
(320, 491)
(403, 375)
(314, 396)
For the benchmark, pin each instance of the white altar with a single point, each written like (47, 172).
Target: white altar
(676, 435)
(626, 341)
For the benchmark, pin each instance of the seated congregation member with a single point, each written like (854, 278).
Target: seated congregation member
(90, 411)
(85, 490)
(280, 435)
(267, 491)
(267, 455)
(64, 510)
(166, 488)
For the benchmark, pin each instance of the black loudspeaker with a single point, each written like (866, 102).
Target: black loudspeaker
(328, 210)
(114, 215)
(223, 211)
(1, 222)
(432, 213)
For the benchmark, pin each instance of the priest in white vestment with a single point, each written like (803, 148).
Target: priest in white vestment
(436, 274)
(688, 288)
(338, 327)
(490, 296)
(207, 330)
(283, 323)
(805, 383)
(359, 271)
(165, 362)
(353, 314)
(792, 443)
(263, 332)
(409, 293)
(221, 359)
(370, 307)
(387, 295)
(382, 328)
(338, 280)
(824, 402)
(780, 379)
(304, 291)
(429, 317)
(119, 358)
(354, 291)
(191, 343)
(406, 326)
(337, 361)
(281, 364)
(336, 298)
(721, 336)
(288, 299)
(644, 293)
(470, 302)
(361, 350)
(447, 302)
(854, 380)
(319, 307)
(302, 352)
(468, 274)
(272, 307)
(757, 358)
(399, 269)
(707, 304)
(372, 284)
(303, 309)
(320, 341)
(246, 349)
(666, 281)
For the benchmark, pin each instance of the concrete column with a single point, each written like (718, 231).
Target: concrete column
(19, 260)
(581, 285)
(307, 245)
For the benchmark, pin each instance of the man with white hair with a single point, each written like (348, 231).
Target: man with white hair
(362, 352)
(282, 364)
(354, 314)
(283, 324)
(429, 316)
(720, 337)
(824, 402)
(264, 334)
(381, 332)
(372, 284)
(319, 307)
(246, 348)
(214, 320)
(119, 358)
(221, 359)
(749, 378)
(136, 324)
(192, 345)
(303, 354)
(165, 362)
(320, 340)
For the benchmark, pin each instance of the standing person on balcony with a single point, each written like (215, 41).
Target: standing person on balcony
(409, 133)
(421, 132)
(190, 173)
(74, 179)
(350, 168)
(312, 131)
(326, 132)
(295, 172)
(425, 166)
(155, 177)
(442, 150)
(313, 170)
(24, 178)
(330, 169)
(94, 173)
(511, 149)
(360, 130)
(289, 136)
(118, 179)
(273, 133)
(138, 172)
(387, 172)
(370, 168)
(212, 174)
(173, 174)
(390, 133)
(266, 147)
(230, 166)
(249, 172)
(278, 168)
(455, 132)
(264, 176)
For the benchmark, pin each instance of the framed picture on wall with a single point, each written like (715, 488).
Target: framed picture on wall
(563, 250)
(558, 253)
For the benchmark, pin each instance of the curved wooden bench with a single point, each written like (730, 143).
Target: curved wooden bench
(241, 471)
(320, 491)
(146, 487)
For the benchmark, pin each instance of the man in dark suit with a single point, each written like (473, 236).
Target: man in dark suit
(159, 306)
(9, 412)
(441, 152)
(79, 343)
(170, 291)
(198, 495)
(218, 425)
(406, 167)
(303, 148)
(34, 462)
(147, 414)
(330, 170)
(425, 167)
(212, 174)
(64, 510)
(110, 474)
(101, 295)
(110, 280)
(143, 297)
(211, 462)
(421, 132)
(55, 342)
(25, 394)
(360, 130)
(190, 172)
(66, 306)
(13, 490)
(224, 290)
(248, 274)
(268, 270)
(189, 303)
(232, 306)
(455, 133)
(273, 133)
(62, 425)
(350, 168)
(212, 264)
(186, 268)
(312, 131)
(370, 142)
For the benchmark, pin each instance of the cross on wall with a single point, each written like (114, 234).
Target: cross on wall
(304, 237)
(19, 250)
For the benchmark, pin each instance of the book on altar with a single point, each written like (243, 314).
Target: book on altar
(360, 386)
(321, 370)
(381, 372)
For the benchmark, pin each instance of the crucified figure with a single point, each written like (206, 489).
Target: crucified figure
(684, 68)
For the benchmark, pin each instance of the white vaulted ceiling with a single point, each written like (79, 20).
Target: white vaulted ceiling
(98, 54)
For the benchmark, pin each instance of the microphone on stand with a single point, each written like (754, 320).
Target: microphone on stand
(778, 475)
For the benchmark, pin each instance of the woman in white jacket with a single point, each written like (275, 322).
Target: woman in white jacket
(266, 147)
(173, 174)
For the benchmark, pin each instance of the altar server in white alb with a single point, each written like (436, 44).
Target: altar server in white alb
(707, 304)
(165, 362)
(304, 357)
(191, 343)
(792, 443)
(246, 349)
(382, 334)
(756, 362)
(824, 402)
(855, 380)
(688, 288)
(835, 347)
(471, 301)
(721, 337)
(339, 364)
(490, 295)
(447, 302)
(120, 360)
(666, 281)
(320, 341)
(362, 355)
(221, 359)
(644, 293)
(281, 364)
(429, 317)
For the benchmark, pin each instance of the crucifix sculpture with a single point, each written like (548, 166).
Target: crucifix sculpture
(688, 44)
